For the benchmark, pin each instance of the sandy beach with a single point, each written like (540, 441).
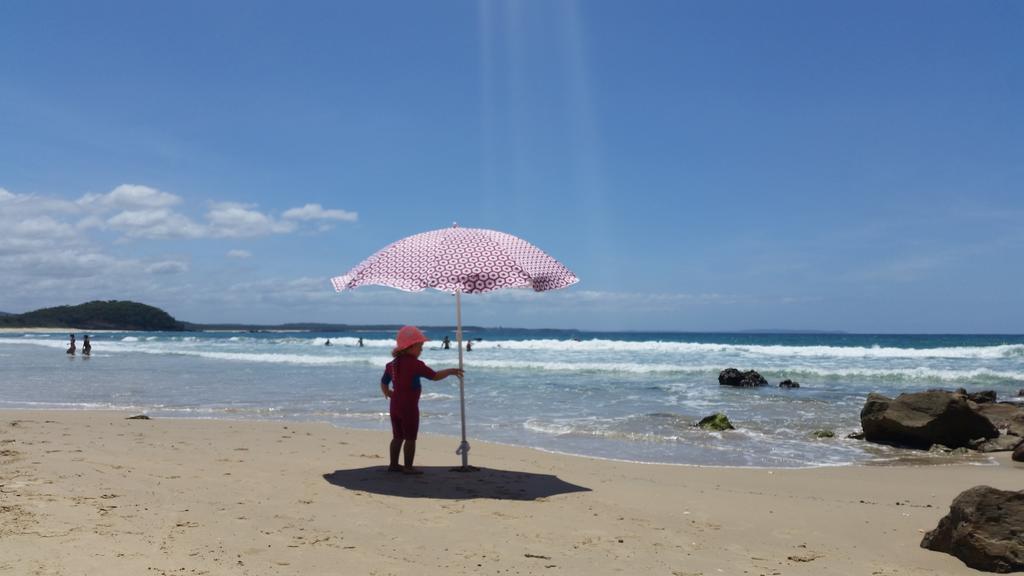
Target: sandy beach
(95, 493)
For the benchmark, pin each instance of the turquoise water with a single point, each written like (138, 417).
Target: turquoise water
(630, 396)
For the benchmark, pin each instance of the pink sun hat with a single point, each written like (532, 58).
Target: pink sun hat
(408, 336)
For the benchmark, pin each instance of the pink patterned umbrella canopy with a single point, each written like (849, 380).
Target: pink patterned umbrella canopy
(469, 260)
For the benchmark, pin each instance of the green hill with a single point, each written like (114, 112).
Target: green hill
(96, 315)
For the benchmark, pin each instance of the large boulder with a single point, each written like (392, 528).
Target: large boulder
(733, 377)
(918, 420)
(1018, 453)
(983, 529)
(1005, 416)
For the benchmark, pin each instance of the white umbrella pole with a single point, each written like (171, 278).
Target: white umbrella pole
(464, 446)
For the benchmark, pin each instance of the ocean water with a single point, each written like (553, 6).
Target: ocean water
(628, 396)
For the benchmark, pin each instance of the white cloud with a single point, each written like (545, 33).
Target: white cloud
(231, 220)
(143, 212)
(29, 223)
(17, 206)
(317, 212)
(130, 196)
(167, 267)
(57, 264)
(155, 223)
(40, 226)
(54, 251)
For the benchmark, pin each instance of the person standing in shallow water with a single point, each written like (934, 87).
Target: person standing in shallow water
(71, 346)
(86, 346)
(404, 373)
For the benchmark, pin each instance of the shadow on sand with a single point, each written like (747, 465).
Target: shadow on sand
(446, 484)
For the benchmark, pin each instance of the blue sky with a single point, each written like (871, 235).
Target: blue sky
(700, 165)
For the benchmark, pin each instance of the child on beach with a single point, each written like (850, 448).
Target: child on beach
(71, 346)
(87, 346)
(404, 372)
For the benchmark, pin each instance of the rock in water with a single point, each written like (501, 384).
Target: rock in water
(787, 383)
(717, 422)
(983, 529)
(733, 377)
(918, 420)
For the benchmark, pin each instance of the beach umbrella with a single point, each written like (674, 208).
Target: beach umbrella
(459, 261)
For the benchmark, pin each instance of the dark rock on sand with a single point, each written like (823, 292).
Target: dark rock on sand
(139, 417)
(716, 422)
(1015, 426)
(918, 420)
(1018, 453)
(733, 377)
(1004, 416)
(983, 397)
(1004, 443)
(787, 383)
(983, 529)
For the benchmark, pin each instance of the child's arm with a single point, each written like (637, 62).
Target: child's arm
(442, 374)
(385, 390)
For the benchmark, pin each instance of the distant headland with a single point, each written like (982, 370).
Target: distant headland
(125, 315)
(97, 315)
(133, 316)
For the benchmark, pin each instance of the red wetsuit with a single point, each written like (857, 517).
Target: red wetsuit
(405, 398)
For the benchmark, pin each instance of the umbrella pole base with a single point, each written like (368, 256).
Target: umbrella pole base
(466, 468)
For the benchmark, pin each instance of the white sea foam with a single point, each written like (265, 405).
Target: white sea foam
(793, 371)
(629, 367)
(584, 362)
(692, 348)
(296, 359)
(436, 396)
(919, 373)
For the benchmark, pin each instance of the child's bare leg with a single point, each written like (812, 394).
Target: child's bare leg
(410, 454)
(396, 448)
